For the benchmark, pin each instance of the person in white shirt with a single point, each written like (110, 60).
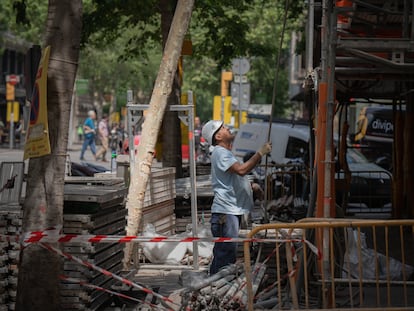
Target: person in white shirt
(233, 195)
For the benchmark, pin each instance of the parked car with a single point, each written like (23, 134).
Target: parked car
(370, 185)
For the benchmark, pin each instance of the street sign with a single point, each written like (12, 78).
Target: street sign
(240, 66)
(13, 79)
(240, 95)
(240, 78)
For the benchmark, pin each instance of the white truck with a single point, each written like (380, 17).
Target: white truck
(289, 141)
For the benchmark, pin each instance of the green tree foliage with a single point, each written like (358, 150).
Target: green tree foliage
(121, 45)
(27, 19)
(259, 43)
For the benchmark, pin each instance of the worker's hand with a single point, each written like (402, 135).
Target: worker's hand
(266, 149)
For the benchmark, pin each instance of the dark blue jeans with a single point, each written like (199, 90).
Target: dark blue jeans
(89, 141)
(225, 253)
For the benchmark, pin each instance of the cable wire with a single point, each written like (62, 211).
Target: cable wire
(287, 3)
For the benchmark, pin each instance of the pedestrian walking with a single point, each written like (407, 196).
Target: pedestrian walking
(103, 134)
(89, 135)
(233, 194)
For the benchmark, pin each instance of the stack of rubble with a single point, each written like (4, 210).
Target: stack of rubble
(93, 206)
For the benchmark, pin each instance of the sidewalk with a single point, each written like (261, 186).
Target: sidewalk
(16, 155)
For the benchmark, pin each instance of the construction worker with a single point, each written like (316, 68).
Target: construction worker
(233, 196)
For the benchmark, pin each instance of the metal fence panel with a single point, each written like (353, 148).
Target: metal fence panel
(336, 264)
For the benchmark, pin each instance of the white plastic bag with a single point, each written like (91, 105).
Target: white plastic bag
(162, 252)
(205, 249)
(351, 268)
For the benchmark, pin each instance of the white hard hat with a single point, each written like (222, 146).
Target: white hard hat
(209, 129)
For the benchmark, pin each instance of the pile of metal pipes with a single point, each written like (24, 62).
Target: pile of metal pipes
(225, 290)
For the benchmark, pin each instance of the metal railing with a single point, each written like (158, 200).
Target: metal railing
(334, 264)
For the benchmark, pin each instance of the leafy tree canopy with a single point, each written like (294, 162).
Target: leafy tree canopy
(121, 44)
(23, 20)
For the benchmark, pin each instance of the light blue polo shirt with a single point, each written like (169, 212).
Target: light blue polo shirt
(232, 192)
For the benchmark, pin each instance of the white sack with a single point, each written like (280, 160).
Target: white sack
(162, 252)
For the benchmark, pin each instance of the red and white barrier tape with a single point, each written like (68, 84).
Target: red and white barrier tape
(99, 288)
(53, 236)
(105, 272)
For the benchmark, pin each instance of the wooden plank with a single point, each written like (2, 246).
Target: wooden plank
(90, 222)
(159, 213)
(100, 180)
(203, 183)
(159, 205)
(165, 224)
(92, 193)
(108, 229)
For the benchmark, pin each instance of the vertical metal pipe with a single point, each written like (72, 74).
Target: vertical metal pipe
(403, 259)
(412, 20)
(321, 120)
(191, 142)
(406, 16)
(11, 129)
(377, 287)
(329, 21)
(248, 272)
(129, 126)
(332, 263)
(309, 36)
(331, 57)
(329, 198)
(305, 269)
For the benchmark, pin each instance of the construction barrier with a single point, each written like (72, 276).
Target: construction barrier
(312, 264)
(360, 265)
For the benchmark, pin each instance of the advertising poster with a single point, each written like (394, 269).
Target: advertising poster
(37, 139)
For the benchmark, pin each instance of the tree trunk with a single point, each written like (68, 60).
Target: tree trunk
(171, 130)
(38, 282)
(153, 121)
